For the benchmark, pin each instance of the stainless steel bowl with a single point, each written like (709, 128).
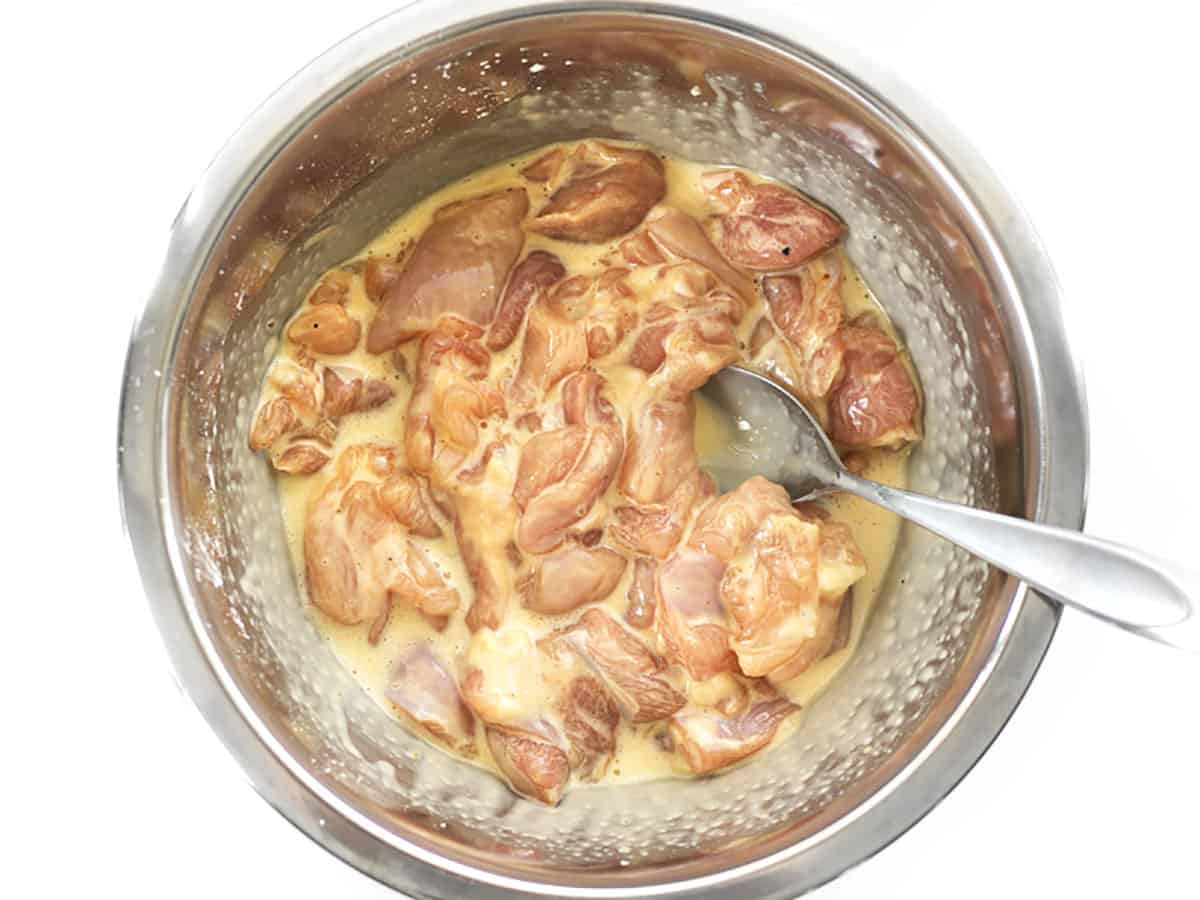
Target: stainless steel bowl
(427, 95)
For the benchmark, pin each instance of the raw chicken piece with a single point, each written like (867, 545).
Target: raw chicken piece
(406, 496)
(584, 402)
(379, 274)
(325, 328)
(875, 404)
(628, 670)
(349, 391)
(770, 591)
(730, 520)
(556, 508)
(450, 398)
(573, 577)
(604, 305)
(358, 556)
(672, 235)
(640, 611)
(422, 688)
(662, 454)
(451, 404)
(709, 739)
(555, 346)
(655, 529)
(296, 403)
(300, 408)
(590, 717)
(691, 623)
(564, 472)
(514, 689)
(546, 459)
(457, 268)
(533, 760)
(747, 592)
(807, 308)
(533, 276)
(583, 318)
(766, 227)
(599, 191)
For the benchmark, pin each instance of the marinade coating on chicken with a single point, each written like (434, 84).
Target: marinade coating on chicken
(712, 739)
(547, 439)
(300, 406)
(359, 554)
(423, 689)
(457, 268)
(564, 472)
(766, 227)
(533, 276)
(598, 190)
(875, 403)
(744, 594)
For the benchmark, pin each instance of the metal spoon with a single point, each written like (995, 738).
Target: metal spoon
(775, 436)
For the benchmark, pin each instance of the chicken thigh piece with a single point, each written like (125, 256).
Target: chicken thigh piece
(766, 227)
(712, 738)
(300, 407)
(422, 688)
(564, 472)
(458, 268)
(359, 555)
(875, 403)
(598, 191)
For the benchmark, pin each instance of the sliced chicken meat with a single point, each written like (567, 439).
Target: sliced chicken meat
(325, 328)
(564, 472)
(598, 191)
(766, 227)
(359, 556)
(662, 453)
(458, 268)
(691, 624)
(875, 404)
(348, 391)
(709, 740)
(807, 308)
(555, 346)
(747, 592)
(301, 404)
(673, 235)
(655, 529)
(451, 398)
(573, 577)
(533, 759)
(515, 690)
(533, 276)
(628, 670)
(423, 690)
(590, 717)
(770, 591)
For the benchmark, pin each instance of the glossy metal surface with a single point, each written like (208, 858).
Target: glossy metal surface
(407, 105)
(1118, 584)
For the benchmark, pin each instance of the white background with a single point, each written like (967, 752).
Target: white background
(113, 783)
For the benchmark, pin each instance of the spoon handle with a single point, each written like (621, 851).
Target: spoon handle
(1124, 586)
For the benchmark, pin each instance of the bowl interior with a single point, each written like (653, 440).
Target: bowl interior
(428, 113)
